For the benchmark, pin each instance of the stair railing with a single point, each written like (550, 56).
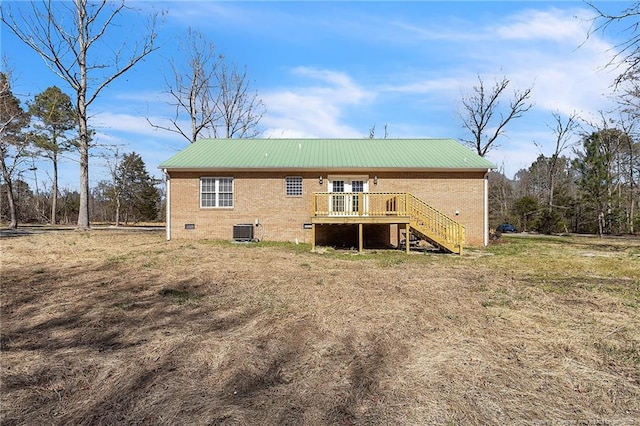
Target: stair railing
(435, 223)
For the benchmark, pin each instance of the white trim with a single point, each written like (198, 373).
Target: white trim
(344, 203)
(485, 231)
(168, 203)
(217, 192)
(347, 182)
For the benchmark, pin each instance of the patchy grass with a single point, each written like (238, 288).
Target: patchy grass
(180, 296)
(114, 327)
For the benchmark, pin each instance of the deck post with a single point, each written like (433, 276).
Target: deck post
(407, 240)
(314, 204)
(313, 237)
(360, 245)
(407, 210)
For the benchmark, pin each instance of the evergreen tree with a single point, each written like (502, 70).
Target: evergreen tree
(56, 116)
(13, 142)
(595, 178)
(133, 191)
(526, 209)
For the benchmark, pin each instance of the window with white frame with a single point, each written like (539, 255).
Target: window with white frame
(216, 192)
(293, 186)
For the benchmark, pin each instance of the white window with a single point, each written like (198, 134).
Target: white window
(216, 192)
(293, 186)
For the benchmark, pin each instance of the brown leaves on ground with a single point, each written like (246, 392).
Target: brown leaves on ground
(111, 327)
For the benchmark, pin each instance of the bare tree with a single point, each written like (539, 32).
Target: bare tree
(485, 118)
(630, 159)
(13, 142)
(372, 132)
(214, 99)
(192, 87)
(563, 132)
(240, 110)
(70, 38)
(628, 51)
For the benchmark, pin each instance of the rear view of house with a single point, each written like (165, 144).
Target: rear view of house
(360, 193)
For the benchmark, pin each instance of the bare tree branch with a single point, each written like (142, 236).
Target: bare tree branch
(65, 36)
(213, 97)
(627, 53)
(13, 141)
(483, 116)
(239, 109)
(563, 132)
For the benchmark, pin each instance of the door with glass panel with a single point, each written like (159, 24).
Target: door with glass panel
(347, 195)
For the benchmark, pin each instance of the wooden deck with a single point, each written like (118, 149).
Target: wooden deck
(402, 209)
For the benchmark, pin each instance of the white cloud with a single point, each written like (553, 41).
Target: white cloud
(561, 26)
(111, 124)
(443, 85)
(548, 50)
(314, 110)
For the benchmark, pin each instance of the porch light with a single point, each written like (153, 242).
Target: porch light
(320, 180)
(375, 180)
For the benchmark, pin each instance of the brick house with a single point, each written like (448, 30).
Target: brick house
(361, 193)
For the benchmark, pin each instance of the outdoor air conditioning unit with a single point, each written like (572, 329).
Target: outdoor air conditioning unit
(243, 232)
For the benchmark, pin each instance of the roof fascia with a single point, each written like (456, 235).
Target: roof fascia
(327, 170)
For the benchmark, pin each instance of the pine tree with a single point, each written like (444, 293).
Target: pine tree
(56, 116)
(13, 142)
(595, 177)
(133, 191)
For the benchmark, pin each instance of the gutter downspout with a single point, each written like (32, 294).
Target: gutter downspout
(486, 208)
(168, 202)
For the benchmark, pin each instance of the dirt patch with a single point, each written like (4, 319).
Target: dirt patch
(120, 327)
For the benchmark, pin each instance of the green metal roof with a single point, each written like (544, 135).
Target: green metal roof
(319, 154)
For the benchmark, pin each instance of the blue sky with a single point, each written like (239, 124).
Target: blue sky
(335, 69)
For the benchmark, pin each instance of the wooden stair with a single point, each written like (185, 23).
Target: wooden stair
(435, 227)
(403, 209)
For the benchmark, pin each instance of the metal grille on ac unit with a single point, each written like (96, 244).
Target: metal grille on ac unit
(243, 232)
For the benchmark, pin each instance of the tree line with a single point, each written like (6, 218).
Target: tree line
(213, 96)
(588, 183)
(47, 128)
(594, 191)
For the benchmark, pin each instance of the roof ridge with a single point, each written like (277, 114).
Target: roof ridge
(331, 153)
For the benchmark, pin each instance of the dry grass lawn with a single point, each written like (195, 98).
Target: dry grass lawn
(111, 327)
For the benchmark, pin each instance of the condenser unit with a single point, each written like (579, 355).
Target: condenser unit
(243, 232)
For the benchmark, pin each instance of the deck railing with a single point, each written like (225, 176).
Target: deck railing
(436, 225)
(431, 223)
(360, 204)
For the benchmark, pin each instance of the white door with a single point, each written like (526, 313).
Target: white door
(343, 201)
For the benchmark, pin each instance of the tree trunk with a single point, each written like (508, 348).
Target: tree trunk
(600, 224)
(118, 211)
(10, 199)
(632, 189)
(54, 189)
(83, 214)
(552, 182)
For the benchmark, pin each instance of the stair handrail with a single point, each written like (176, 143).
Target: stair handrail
(438, 223)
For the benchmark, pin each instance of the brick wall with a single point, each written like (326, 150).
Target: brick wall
(261, 197)
(446, 192)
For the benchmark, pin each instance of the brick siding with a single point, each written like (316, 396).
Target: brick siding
(261, 197)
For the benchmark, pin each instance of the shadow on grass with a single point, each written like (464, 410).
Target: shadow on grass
(106, 350)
